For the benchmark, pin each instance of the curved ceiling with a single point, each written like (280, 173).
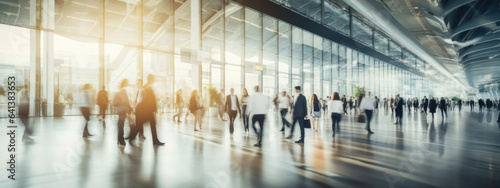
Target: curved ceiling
(464, 33)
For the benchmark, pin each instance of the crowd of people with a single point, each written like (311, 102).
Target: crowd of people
(252, 109)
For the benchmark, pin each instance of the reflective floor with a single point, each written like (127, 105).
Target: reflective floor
(460, 151)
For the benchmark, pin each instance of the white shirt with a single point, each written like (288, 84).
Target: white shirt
(258, 104)
(284, 102)
(233, 103)
(335, 106)
(367, 103)
(296, 97)
(84, 99)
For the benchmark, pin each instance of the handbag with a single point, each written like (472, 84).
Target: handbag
(361, 118)
(307, 123)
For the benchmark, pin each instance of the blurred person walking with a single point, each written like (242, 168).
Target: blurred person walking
(85, 102)
(244, 106)
(145, 111)
(367, 106)
(123, 107)
(178, 105)
(398, 105)
(335, 108)
(196, 106)
(24, 111)
(315, 111)
(443, 106)
(284, 105)
(102, 102)
(432, 106)
(232, 107)
(258, 107)
(299, 113)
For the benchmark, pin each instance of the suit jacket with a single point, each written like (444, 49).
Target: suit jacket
(102, 98)
(399, 106)
(442, 104)
(426, 102)
(300, 108)
(227, 106)
(432, 106)
(147, 106)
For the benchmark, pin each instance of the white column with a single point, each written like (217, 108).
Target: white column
(196, 44)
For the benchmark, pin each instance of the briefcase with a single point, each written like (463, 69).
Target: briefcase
(361, 118)
(307, 123)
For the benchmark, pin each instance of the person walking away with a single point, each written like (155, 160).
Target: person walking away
(258, 107)
(335, 108)
(415, 105)
(344, 103)
(244, 106)
(146, 112)
(442, 106)
(24, 112)
(123, 107)
(85, 102)
(398, 105)
(102, 102)
(432, 106)
(426, 104)
(232, 107)
(178, 105)
(367, 106)
(376, 102)
(386, 106)
(408, 104)
(284, 105)
(299, 113)
(197, 108)
(315, 112)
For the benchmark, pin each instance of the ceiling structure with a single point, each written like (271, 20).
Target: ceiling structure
(464, 35)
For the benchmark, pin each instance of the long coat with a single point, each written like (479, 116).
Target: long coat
(432, 106)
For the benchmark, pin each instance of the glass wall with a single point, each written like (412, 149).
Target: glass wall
(186, 46)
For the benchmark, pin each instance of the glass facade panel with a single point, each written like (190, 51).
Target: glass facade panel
(336, 18)
(362, 32)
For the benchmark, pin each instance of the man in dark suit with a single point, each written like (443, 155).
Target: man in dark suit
(426, 104)
(102, 102)
(146, 111)
(344, 103)
(399, 109)
(299, 113)
(480, 102)
(232, 107)
(459, 102)
(471, 103)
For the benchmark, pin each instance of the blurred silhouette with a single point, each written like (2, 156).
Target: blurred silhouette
(432, 106)
(367, 107)
(85, 102)
(425, 104)
(258, 107)
(442, 106)
(315, 111)
(335, 108)
(102, 102)
(220, 103)
(196, 107)
(178, 105)
(244, 106)
(284, 105)
(24, 111)
(145, 111)
(140, 128)
(398, 104)
(232, 107)
(122, 106)
(299, 113)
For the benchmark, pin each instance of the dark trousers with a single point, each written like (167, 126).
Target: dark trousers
(86, 114)
(284, 122)
(102, 111)
(471, 107)
(425, 108)
(232, 115)
(139, 126)
(498, 120)
(121, 124)
(459, 107)
(335, 122)
(443, 112)
(258, 118)
(345, 108)
(23, 115)
(368, 114)
(245, 117)
(301, 124)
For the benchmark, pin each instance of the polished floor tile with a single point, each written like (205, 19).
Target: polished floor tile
(462, 150)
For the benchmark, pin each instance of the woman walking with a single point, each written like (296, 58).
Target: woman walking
(315, 111)
(335, 108)
(85, 100)
(196, 108)
(244, 106)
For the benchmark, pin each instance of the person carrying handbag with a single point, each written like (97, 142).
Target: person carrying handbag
(367, 106)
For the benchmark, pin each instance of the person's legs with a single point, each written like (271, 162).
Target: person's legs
(445, 113)
(368, 114)
(232, 116)
(254, 119)
(302, 133)
(498, 120)
(152, 122)
(293, 126)
(260, 120)
(121, 124)
(178, 114)
(86, 114)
